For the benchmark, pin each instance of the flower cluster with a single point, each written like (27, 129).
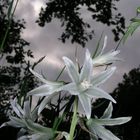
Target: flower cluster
(84, 86)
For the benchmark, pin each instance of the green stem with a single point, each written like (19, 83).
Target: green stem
(74, 119)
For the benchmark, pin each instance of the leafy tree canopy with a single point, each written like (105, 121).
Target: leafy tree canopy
(75, 27)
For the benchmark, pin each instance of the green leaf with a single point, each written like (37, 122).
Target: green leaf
(138, 10)
(131, 29)
(10, 9)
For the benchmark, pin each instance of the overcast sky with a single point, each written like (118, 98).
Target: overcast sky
(44, 41)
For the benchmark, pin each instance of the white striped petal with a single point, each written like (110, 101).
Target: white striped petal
(87, 68)
(72, 70)
(86, 104)
(102, 77)
(98, 93)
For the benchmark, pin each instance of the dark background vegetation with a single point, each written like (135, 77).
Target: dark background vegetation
(16, 80)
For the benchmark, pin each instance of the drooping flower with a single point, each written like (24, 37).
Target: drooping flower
(85, 84)
(97, 126)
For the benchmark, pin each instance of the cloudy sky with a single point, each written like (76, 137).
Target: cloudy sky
(44, 41)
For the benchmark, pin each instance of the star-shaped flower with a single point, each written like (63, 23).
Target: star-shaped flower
(96, 126)
(85, 84)
(22, 114)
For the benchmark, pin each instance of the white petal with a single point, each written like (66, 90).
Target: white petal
(40, 91)
(108, 112)
(86, 104)
(107, 58)
(45, 90)
(98, 93)
(71, 88)
(38, 76)
(49, 83)
(72, 71)
(102, 77)
(16, 107)
(113, 121)
(104, 45)
(104, 134)
(16, 122)
(38, 128)
(87, 67)
(45, 101)
(27, 109)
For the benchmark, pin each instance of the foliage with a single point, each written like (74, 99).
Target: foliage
(127, 96)
(76, 28)
(14, 68)
(135, 23)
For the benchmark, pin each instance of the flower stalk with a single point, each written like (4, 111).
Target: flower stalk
(74, 119)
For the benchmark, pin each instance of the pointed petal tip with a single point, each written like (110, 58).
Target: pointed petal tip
(114, 101)
(113, 68)
(65, 58)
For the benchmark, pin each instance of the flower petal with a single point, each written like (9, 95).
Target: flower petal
(27, 109)
(102, 77)
(98, 93)
(103, 133)
(38, 76)
(106, 58)
(72, 71)
(86, 104)
(39, 136)
(87, 67)
(108, 112)
(71, 87)
(16, 122)
(45, 101)
(38, 128)
(112, 121)
(49, 83)
(45, 90)
(16, 107)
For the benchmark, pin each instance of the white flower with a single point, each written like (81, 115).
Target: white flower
(96, 126)
(107, 58)
(22, 114)
(84, 84)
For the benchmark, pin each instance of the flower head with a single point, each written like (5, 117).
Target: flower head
(107, 58)
(85, 84)
(22, 114)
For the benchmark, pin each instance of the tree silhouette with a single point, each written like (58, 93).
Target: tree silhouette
(75, 27)
(14, 68)
(127, 95)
